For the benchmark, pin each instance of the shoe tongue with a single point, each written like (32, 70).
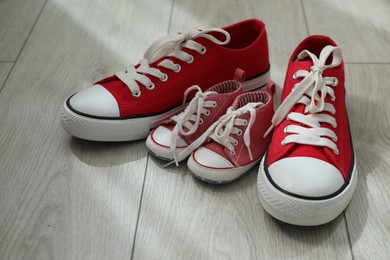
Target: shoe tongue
(297, 150)
(301, 65)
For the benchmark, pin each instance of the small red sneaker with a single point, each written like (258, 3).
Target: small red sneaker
(308, 175)
(176, 138)
(127, 105)
(237, 142)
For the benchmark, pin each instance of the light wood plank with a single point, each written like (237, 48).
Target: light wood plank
(5, 68)
(361, 28)
(16, 20)
(368, 214)
(182, 218)
(62, 198)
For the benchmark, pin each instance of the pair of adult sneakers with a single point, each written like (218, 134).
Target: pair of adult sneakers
(308, 173)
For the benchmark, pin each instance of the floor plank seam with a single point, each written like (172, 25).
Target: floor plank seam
(6, 77)
(24, 44)
(348, 235)
(147, 160)
(139, 207)
(305, 17)
(170, 16)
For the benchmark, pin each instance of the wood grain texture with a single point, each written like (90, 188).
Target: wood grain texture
(60, 197)
(5, 68)
(63, 198)
(368, 214)
(361, 28)
(16, 20)
(182, 218)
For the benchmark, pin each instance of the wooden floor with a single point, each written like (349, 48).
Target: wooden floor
(64, 198)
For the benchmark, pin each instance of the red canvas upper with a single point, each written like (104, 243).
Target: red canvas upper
(225, 93)
(247, 49)
(276, 151)
(258, 143)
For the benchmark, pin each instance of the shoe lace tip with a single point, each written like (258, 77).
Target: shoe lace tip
(268, 131)
(250, 154)
(171, 162)
(174, 161)
(167, 164)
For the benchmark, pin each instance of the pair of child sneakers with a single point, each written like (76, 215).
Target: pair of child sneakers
(308, 174)
(221, 129)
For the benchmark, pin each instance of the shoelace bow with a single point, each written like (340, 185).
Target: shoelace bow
(188, 121)
(168, 46)
(306, 93)
(226, 127)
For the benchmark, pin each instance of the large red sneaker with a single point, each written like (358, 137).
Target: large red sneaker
(128, 104)
(308, 175)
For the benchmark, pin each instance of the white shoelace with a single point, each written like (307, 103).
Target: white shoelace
(227, 127)
(307, 93)
(169, 46)
(190, 118)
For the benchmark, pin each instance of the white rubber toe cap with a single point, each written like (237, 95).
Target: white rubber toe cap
(95, 101)
(208, 158)
(306, 176)
(162, 136)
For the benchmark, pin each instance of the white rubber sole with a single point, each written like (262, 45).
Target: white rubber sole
(111, 130)
(215, 175)
(257, 83)
(303, 212)
(118, 130)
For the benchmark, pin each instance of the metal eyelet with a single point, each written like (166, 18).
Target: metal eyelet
(150, 87)
(191, 60)
(239, 133)
(336, 152)
(245, 122)
(235, 143)
(285, 130)
(165, 77)
(178, 68)
(215, 104)
(333, 99)
(335, 82)
(203, 50)
(334, 139)
(334, 125)
(200, 121)
(282, 143)
(137, 94)
(232, 152)
(294, 76)
(207, 112)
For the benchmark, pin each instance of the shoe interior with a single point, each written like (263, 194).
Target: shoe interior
(253, 97)
(314, 44)
(242, 34)
(226, 87)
